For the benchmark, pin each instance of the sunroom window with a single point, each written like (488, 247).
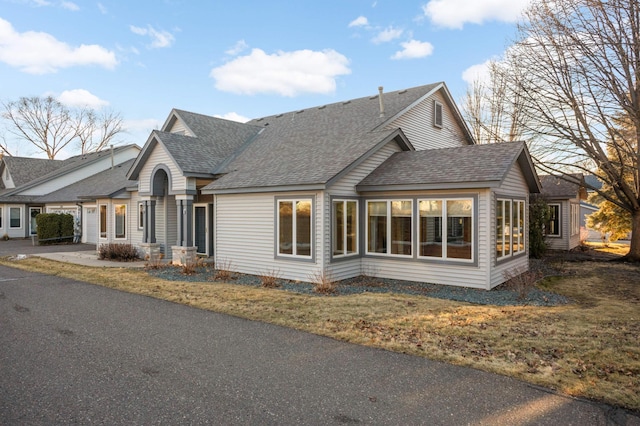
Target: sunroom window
(389, 227)
(510, 237)
(345, 227)
(294, 227)
(446, 229)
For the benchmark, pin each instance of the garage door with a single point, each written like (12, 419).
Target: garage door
(90, 225)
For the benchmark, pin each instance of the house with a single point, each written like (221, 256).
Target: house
(30, 186)
(564, 197)
(390, 185)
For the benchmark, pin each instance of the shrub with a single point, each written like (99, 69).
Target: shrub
(118, 252)
(521, 281)
(223, 270)
(190, 267)
(539, 216)
(54, 228)
(270, 278)
(154, 261)
(323, 282)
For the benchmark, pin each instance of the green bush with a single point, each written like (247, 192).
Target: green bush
(53, 228)
(539, 215)
(118, 252)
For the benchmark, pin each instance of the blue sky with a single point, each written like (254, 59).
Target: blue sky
(243, 59)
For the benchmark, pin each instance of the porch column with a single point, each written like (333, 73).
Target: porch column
(184, 206)
(150, 221)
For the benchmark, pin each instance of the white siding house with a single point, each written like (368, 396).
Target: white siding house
(563, 198)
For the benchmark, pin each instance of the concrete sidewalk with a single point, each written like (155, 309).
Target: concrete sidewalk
(79, 254)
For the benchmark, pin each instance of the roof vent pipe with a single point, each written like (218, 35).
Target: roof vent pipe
(380, 88)
(112, 159)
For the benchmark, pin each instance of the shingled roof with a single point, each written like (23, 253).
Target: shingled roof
(105, 184)
(555, 187)
(215, 142)
(314, 145)
(23, 169)
(473, 166)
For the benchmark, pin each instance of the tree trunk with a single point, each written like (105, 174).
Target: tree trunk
(634, 250)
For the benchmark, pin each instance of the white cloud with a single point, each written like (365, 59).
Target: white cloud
(282, 73)
(237, 48)
(40, 53)
(455, 13)
(159, 39)
(414, 49)
(233, 116)
(146, 124)
(360, 21)
(102, 8)
(478, 72)
(386, 35)
(81, 98)
(69, 6)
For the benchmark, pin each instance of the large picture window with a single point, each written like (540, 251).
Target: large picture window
(15, 217)
(510, 220)
(446, 229)
(120, 215)
(389, 227)
(294, 225)
(553, 226)
(345, 227)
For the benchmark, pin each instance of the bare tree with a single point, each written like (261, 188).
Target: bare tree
(494, 112)
(50, 126)
(99, 129)
(576, 68)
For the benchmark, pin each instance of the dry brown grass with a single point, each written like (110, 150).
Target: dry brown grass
(610, 248)
(270, 278)
(590, 348)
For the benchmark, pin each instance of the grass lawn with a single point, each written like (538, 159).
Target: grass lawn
(589, 348)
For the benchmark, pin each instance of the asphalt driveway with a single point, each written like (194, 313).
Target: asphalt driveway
(26, 246)
(71, 352)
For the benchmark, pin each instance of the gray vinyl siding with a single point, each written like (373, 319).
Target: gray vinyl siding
(349, 267)
(171, 224)
(245, 235)
(514, 186)
(82, 173)
(136, 234)
(20, 232)
(417, 125)
(160, 156)
(456, 274)
(565, 241)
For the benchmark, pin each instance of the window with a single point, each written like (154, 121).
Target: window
(575, 218)
(103, 221)
(509, 227)
(389, 227)
(294, 228)
(0, 217)
(345, 227)
(437, 114)
(553, 226)
(15, 216)
(120, 217)
(446, 229)
(140, 215)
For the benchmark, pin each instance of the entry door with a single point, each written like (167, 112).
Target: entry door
(33, 212)
(200, 229)
(90, 225)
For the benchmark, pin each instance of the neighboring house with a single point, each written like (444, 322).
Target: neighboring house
(390, 185)
(564, 198)
(32, 186)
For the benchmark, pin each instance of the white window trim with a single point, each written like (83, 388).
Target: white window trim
(445, 230)
(344, 202)
(115, 219)
(515, 208)
(20, 217)
(437, 105)
(559, 234)
(141, 211)
(106, 221)
(389, 242)
(294, 230)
